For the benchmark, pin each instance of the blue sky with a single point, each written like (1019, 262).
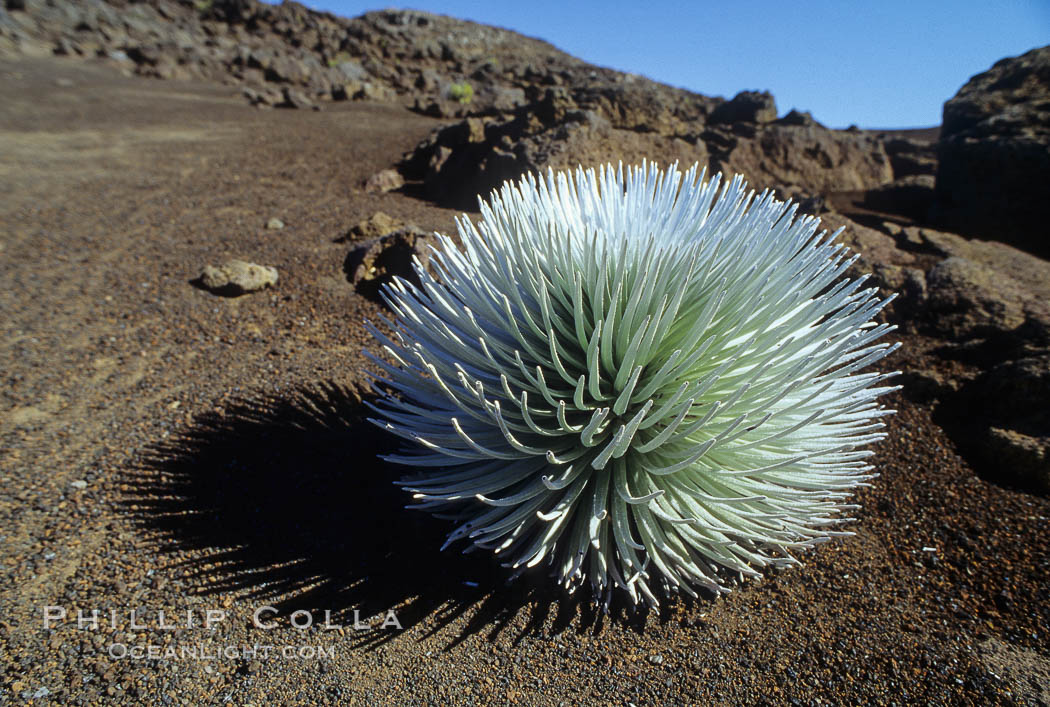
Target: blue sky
(879, 63)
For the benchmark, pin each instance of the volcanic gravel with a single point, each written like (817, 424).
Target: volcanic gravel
(163, 448)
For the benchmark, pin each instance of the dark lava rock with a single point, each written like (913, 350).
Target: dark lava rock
(798, 117)
(599, 119)
(966, 299)
(746, 107)
(1011, 434)
(808, 155)
(987, 289)
(376, 262)
(469, 159)
(911, 157)
(994, 154)
(910, 196)
(1017, 389)
(990, 304)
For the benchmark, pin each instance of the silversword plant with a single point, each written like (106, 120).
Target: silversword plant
(646, 380)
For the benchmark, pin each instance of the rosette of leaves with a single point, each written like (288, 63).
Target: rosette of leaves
(645, 380)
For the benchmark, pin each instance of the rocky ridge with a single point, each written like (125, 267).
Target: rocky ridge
(537, 105)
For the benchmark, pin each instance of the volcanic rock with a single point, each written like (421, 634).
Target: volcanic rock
(1013, 428)
(910, 196)
(471, 158)
(352, 70)
(263, 98)
(968, 299)
(911, 157)
(376, 262)
(1017, 389)
(237, 277)
(295, 98)
(872, 245)
(384, 181)
(986, 286)
(1020, 459)
(378, 224)
(746, 107)
(797, 117)
(994, 154)
(811, 156)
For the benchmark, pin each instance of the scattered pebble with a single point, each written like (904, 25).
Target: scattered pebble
(237, 277)
(384, 181)
(376, 225)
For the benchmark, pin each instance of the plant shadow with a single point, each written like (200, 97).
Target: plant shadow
(283, 500)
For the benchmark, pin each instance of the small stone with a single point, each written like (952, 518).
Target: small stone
(294, 98)
(797, 117)
(79, 484)
(275, 224)
(263, 97)
(378, 224)
(384, 181)
(656, 659)
(237, 277)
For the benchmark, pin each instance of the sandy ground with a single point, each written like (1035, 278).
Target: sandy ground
(164, 449)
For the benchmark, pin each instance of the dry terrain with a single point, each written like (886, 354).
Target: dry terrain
(166, 449)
